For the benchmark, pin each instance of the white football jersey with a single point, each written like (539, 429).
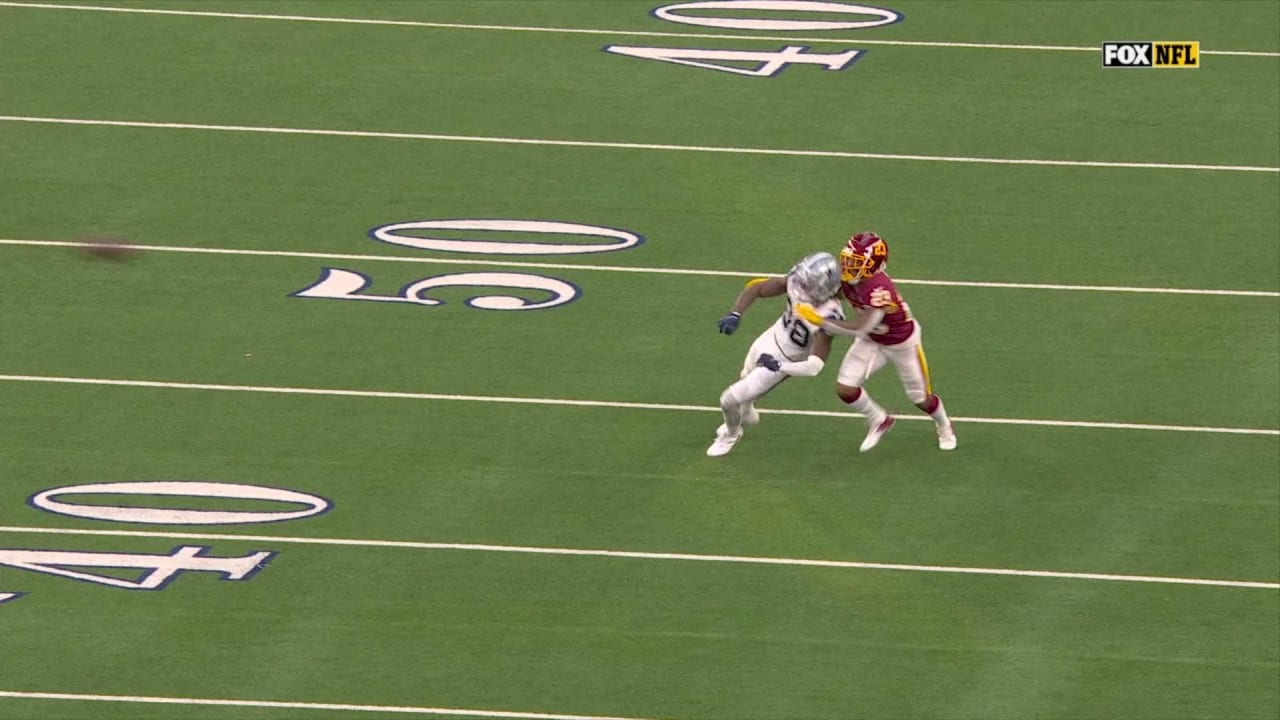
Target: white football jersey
(792, 333)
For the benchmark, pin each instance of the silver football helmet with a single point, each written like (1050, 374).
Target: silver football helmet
(818, 276)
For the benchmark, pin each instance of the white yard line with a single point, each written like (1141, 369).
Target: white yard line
(623, 268)
(383, 394)
(638, 555)
(632, 146)
(593, 31)
(341, 707)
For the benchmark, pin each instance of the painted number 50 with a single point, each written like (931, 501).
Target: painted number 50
(528, 291)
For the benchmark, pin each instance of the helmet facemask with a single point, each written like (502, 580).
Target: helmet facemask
(864, 256)
(854, 266)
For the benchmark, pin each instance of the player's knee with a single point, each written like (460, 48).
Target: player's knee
(919, 397)
(848, 393)
(728, 399)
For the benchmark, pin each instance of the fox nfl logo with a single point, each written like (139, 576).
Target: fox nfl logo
(1158, 53)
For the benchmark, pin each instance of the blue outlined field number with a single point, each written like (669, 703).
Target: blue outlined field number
(766, 63)
(432, 235)
(155, 571)
(160, 569)
(339, 284)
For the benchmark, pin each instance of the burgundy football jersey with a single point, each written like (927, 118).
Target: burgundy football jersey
(878, 292)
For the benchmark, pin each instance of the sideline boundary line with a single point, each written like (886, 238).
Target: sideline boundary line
(272, 389)
(622, 268)
(591, 31)
(633, 146)
(640, 555)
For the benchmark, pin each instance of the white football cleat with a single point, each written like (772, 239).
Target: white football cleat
(947, 437)
(724, 442)
(877, 432)
(750, 418)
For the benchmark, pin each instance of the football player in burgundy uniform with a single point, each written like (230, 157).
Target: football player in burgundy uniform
(791, 346)
(884, 332)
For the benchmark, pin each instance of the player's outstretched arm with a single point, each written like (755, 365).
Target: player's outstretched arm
(756, 288)
(813, 364)
(864, 323)
(808, 367)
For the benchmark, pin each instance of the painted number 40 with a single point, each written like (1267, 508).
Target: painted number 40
(155, 571)
(768, 64)
(762, 63)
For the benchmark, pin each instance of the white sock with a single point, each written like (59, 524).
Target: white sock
(939, 414)
(868, 407)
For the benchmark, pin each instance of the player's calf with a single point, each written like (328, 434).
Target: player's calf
(932, 406)
(731, 408)
(737, 405)
(860, 401)
(737, 401)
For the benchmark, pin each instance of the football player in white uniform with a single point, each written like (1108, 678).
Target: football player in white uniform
(791, 346)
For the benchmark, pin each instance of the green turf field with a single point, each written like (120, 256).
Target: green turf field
(513, 515)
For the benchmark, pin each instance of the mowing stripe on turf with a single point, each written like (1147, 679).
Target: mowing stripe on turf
(640, 555)
(624, 269)
(396, 395)
(631, 146)
(592, 31)
(344, 707)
